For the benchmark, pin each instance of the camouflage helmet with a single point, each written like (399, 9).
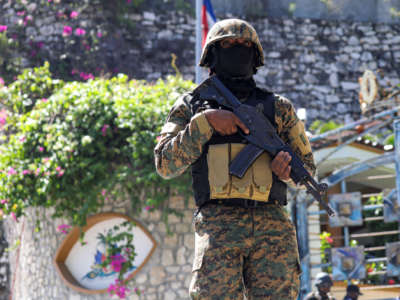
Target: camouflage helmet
(231, 28)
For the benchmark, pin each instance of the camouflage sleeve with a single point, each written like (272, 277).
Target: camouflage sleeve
(291, 130)
(182, 139)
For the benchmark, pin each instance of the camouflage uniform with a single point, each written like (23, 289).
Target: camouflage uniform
(238, 250)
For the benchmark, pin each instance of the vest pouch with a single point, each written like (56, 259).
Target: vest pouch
(297, 137)
(241, 187)
(218, 170)
(262, 178)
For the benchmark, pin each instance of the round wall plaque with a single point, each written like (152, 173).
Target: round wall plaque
(79, 265)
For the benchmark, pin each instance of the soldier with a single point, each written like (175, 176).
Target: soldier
(244, 240)
(352, 292)
(323, 283)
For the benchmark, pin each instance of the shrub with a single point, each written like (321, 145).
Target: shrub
(84, 142)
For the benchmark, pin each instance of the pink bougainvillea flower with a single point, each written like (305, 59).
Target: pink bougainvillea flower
(25, 172)
(74, 71)
(80, 31)
(37, 172)
(13, 216)
(11, 171)
(63, 228)
(99, 34)
(329, 240)
(4, 201)
(86, 76)
(104, 129)
(121, 292)
(111, 289)
(128, 250)
(3, 28)
(118, 288)
(41, 149)
(67, 31)
(22, 139)
(1, 81)
(3, 117)
(103, 192)
(117, 261)
(44, 99)
(148, 207)
(74, 14)
(60, 173)
(21, 13)
(27, 19)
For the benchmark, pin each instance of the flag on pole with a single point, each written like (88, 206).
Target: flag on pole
(207, 19)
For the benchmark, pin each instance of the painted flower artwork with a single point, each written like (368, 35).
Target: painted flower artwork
(97, 264)
(98, 271)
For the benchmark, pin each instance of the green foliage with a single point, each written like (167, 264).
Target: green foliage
(394, 12)
(118, 243)
(87, 142)
(319, 127)
(389, 140)
(292, 7)
(326, 245)
(32, 85)
(9, 62)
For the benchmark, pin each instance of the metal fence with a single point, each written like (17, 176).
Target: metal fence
(300, 208)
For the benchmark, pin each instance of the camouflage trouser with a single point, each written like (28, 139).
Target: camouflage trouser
(251, 251)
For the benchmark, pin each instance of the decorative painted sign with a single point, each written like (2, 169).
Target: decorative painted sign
(79, 265)
(348, 263)
(348, 208)
(393, 259)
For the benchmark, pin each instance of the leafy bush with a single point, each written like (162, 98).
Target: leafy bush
(319, 127)
(85, 142)
(31, 86)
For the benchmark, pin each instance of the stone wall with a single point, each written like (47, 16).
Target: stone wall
(316, 63)
(166, 276)
(5, 277)
(377, 11)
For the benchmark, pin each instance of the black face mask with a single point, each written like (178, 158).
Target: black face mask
(235, 61)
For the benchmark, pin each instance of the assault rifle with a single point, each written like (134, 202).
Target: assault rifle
(262, 137)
